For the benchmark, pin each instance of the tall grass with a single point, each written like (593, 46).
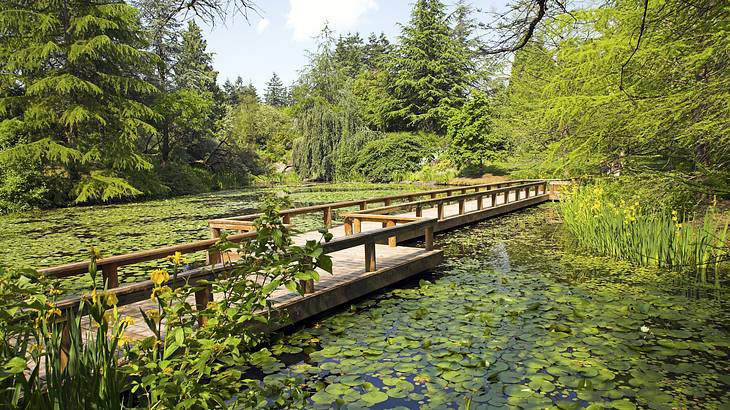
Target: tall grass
(625, 230)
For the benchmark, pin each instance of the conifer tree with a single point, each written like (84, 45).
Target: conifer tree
(194, 68)
(275, 94)
(430, 75)
(72, 92)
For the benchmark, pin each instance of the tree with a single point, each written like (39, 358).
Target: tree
(473, 141)
(72, 93)
(350, 54)
(325, 111)
(194, 67)
(430, 75)
(598, 100)
(275, 94)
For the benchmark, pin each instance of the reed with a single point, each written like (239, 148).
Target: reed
(609, 226)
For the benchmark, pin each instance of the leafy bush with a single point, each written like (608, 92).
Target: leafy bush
(396, 155)
(194, 358)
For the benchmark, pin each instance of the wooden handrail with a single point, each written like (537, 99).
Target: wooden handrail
(348, 204)
(79, 268)
(135, 292)
(451, 199)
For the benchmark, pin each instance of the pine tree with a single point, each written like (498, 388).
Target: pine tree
(276, 93)
(194, 67)
(350, 54)
(431, 78)
(74, 107)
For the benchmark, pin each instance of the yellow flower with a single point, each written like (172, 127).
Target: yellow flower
(94, 296)
(55, 291)
(159, 292)
(52, 312)
(176, 259)
(127, 321)
(111, 299)
(159, 276)
(153, 314)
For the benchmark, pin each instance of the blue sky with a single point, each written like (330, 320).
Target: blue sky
(278, 38)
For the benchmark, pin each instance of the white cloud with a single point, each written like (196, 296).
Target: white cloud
(307, 17)
(262, 25)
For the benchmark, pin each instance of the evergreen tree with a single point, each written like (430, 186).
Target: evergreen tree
(430, 75)
(377, 51)
(473, 141)
(350, 54)
(276, 93)
(194, 67)
(71, 96)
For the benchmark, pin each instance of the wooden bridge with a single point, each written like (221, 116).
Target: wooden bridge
(365, 247)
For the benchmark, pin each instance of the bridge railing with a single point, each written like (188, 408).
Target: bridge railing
(138, 291)
(216, 225)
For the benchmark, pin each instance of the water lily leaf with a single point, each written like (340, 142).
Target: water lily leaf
(374, 397)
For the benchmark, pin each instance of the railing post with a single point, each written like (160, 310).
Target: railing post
(517, 194)
(110, 276)
(462, 206)
(202, 298)
(392, 240)
(214, 257)
(494, 199)
(370, 264)
(328, 217)
(307, 285)
(419, 211)
(286, 218)
(348, 226)
(448, 193)
(441, 211)
(428, 236)
(357, 226)
(433, 195)
(363, 205)
(386, 202)
(480, 202)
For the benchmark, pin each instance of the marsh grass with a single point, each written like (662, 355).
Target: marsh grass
(646, 237)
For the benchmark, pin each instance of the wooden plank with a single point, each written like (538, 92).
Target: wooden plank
(370, 261)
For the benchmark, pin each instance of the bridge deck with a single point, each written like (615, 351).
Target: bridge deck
(349, 279)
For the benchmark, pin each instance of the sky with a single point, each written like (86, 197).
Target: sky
(277, 38)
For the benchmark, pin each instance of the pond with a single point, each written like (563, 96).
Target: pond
(53, 237)
(513, 319)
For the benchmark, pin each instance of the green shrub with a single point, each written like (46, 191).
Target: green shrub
(396, 155)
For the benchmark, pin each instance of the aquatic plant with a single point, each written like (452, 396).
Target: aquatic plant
(194, 357)
(623, 229)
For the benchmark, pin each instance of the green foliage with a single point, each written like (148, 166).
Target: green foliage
(393, 157)
(73, 93)
(594, 106)
(325, 112)
(431, 71)
(616, 226)
(470, 131)
(182, 365)
(268, 129)
(276, 95)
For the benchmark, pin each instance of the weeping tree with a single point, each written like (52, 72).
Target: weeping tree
(71, 92)
(325, 111)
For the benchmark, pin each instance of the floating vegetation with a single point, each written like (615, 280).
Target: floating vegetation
(602, 224)
(53, 237)
(504, 323)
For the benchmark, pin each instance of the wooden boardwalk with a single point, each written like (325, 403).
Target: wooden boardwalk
(365, 252)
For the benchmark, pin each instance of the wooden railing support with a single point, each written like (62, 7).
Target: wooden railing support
(428, 236)
(110, 275)
(357, 227)
(202, 298)
(286, 218)
(441, 211)
(392, 241)
(480, 202)
(328, 217)
(494, 199)
(348, 226)
(370, 263)
(363, 205)
(462, 207)
(419, 211)
(307, 286)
